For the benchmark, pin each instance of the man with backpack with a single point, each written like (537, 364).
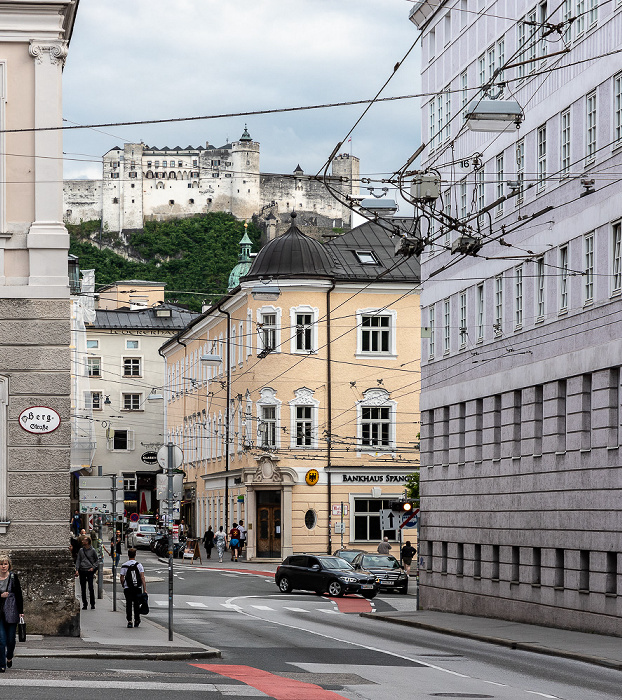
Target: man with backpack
(133, 581)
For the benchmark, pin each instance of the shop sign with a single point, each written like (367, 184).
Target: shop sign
(39, 420)
(337, 509)
(149, 457)
(375, 478)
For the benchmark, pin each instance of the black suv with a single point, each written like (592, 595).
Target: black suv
(323, 574)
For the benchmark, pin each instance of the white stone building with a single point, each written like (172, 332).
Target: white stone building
(520, 402)
(141, 183)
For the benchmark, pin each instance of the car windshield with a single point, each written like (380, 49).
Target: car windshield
(147, 528)
(385, 562)
(347, 555)
(334, 563)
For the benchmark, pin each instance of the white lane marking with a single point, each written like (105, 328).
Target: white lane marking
(161, 602)
(231, 575)
(196, 605)
(501, 685)
(336, 639)
(262, 607)
(296, 609)
(542, 695)
(113, 685)
(329, 612)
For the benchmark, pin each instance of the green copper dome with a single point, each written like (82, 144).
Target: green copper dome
(244, 261)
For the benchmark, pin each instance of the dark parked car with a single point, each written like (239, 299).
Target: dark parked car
(387, 569)
(347, 554)
(323, 574)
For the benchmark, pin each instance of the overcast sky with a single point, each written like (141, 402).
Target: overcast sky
(149, 59)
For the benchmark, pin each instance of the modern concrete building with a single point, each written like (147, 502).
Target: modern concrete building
(522, 278)
(315, 403)
(35, 425)
(142, 183)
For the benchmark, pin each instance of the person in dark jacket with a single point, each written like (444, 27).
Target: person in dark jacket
(408, 553)
(11, 611)
(208, 541)
(87, 563)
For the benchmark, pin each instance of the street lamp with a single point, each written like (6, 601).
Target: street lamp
(493, 115)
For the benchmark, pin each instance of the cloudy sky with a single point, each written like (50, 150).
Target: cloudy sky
(135, 60)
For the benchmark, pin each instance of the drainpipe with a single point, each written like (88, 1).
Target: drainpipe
(227, 412)
(329, 421)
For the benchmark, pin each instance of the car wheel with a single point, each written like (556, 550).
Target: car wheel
(335, 589)
(285, 585)
(369, 594)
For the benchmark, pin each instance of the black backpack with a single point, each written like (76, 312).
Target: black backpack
(132, 577)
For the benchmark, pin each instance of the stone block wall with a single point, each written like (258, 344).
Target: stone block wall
(35, 371)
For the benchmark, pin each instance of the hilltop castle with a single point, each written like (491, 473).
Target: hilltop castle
(141, 183)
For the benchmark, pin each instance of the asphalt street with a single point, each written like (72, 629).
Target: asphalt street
(305, 647)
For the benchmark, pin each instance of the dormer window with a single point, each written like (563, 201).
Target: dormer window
(366, 257)
(163, 313)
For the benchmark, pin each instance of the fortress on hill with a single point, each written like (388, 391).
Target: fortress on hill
(141, 183)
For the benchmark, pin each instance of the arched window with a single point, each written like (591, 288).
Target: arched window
(172, 176)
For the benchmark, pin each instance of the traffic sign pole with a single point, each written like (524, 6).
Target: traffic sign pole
(169, 467)
(113, 544)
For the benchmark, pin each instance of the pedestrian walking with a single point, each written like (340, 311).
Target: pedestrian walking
(234, 542)
(75, 522)
(208, 542)
(87, 563)
(11, 611)
(384, 547)
(220, 540)
(408, 553)
(116, 542)
(243, 531)
(132, 579)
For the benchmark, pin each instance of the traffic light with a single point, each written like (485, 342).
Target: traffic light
(402, 506)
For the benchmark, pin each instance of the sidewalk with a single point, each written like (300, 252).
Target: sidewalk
(104, 635)
(598, 649)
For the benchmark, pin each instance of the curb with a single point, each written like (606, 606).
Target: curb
(128, 655)
(500, 641)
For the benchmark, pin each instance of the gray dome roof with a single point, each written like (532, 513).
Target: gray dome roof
(291, 255)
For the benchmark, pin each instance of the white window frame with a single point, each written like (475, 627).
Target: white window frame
(588, 278)
(131, 359)
(591, 126)
(392, 315)
(540, 295)
(132, 340)
(446, 326)
(91, 403)
(249, 333)
(541, 158)
(498, 325)
(579, 25)
(592, 14)
(94, 344)
(563, 278)
(518, 297)
(304, 399)
(616, 259)
(265, 311)
(520, 169)
(617, 109)
(464, 86)
(463, 330)
(130, 440)
(431, 322)
(139, 406)
(565, 151)
(480, 311)
(312, 327)
(499, 185)
(268, 399)
(90, 362)
(376, 398)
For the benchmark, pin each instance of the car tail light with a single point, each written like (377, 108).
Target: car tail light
(277, 569)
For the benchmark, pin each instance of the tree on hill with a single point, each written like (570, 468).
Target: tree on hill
(192, 256)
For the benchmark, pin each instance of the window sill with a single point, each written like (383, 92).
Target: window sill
(477, 578)
(495, 580)
(558, 588)
(583, 451)
(614, 447)
(518, 327)
(536, 585)
(540, 319)
(131, 410)
(563, 452)
(563, 312)
(607, 595)
(583, 591)
(588, 303)
(514, 583)
(372, 355)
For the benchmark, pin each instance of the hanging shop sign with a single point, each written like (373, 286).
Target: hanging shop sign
(39, 420)
(149, 457)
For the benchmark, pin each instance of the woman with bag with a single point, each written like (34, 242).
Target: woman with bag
(11, 611)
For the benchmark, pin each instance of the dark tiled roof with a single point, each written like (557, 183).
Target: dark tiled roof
(373, 238)
(143, 319)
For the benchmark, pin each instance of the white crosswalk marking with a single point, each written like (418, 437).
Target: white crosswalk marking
(330, 612)
(262, 607)
(196, 605)
(161, 602)
(233, 575)
(297, 609)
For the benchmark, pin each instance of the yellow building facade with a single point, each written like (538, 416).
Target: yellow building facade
(309, 425)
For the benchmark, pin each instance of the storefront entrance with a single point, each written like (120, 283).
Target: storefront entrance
(269, 524)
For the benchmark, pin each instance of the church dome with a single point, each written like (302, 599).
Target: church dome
(244, 261)
(291, 255)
